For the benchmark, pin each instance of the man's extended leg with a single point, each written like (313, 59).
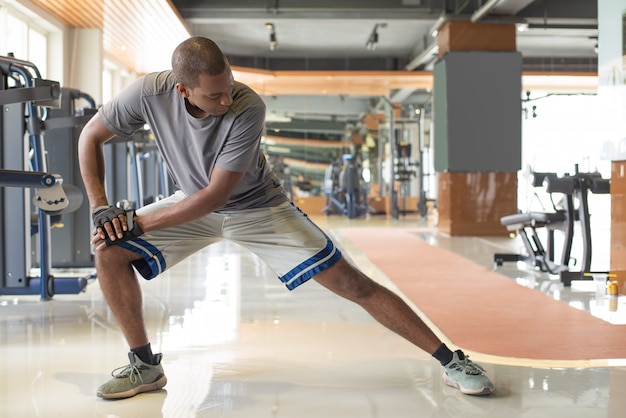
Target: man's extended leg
(392, 312)
(385, 306)
(122, 292)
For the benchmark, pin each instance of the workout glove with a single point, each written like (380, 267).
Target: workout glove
(105, 214)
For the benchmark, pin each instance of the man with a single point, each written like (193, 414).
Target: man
(208, 129)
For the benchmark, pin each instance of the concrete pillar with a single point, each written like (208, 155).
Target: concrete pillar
(477, 126)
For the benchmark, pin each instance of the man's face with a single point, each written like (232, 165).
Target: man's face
(212, 96)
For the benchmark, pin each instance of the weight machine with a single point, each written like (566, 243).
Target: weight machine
(575, 208)
(24, 97)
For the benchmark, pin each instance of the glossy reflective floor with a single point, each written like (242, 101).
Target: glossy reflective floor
(237, 344)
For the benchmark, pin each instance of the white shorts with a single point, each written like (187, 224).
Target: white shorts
(283, 237)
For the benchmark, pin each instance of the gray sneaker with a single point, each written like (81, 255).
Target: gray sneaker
(467, 376)
(135, 378)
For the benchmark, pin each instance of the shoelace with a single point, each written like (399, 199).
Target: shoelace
(131, 371)
(469, 367)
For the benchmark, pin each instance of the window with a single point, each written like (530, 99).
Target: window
(38, 50)
(22, 38)
(16, 34)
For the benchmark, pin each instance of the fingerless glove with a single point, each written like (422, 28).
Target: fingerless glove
(103, 214)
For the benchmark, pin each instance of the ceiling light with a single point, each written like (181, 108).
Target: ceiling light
(273, 40)
(372, 41)
(373, 38)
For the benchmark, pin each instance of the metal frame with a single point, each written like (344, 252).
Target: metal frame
(20, 173)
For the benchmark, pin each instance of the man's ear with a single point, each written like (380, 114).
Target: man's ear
(182, 90)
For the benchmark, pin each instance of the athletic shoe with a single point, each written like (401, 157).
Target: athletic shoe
(467, 376)
(135, 378)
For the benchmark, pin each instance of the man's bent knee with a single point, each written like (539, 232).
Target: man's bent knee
(115, 255)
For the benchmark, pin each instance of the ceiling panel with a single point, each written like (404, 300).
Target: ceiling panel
(329, 37)
(312, 38)
(138, 33)
(326, 30)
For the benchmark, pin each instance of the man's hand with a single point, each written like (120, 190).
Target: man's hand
(114, 225)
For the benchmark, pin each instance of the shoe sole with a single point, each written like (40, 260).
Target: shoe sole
(149, 387)
(451, 382)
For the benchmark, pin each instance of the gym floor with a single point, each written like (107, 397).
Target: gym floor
(237, 344)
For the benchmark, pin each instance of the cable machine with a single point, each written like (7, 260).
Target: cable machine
(404, 167)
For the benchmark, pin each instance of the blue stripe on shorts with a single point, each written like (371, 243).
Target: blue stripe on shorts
(309, 268)
(152, 264)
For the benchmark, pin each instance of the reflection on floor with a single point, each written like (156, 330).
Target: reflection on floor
(237, 344)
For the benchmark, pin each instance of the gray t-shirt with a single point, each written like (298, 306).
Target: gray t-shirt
(191, 147)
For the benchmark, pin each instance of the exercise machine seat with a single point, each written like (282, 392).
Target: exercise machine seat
(538, 219)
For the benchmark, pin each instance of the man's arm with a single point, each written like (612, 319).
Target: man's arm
(91, 157)
(214, 196)
(91, 160)
(92, 169)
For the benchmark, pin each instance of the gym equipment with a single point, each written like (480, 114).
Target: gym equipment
(23, 95)
(424, 171)
(404, 170)
(43, 92)
(526, 225)
(575, 189)
(52, 194)
(136, 174)
(343, 188)
(62, 129)
(283, 172)
(407, 135)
